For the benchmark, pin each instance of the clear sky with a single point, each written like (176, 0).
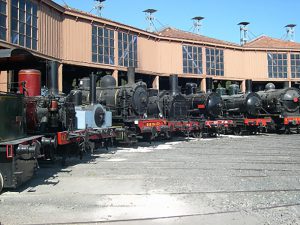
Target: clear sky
(221, 16)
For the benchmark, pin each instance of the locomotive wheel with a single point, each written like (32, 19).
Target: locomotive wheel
(197, 134)
(168, 135)
(237, 131)
(1, 182)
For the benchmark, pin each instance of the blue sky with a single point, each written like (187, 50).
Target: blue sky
(221, 16)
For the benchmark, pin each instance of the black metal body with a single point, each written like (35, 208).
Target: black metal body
(18, 152)
(205, 105)
(244, 105)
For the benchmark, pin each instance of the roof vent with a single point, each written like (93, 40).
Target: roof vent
(244, 32)
(150, 19)
(197, 24)
(290, 32)
(99, 6)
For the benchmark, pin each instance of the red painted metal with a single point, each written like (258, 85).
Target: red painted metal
(201, 106)
(32, 81)
(258, 122)
(9, 151)
(291, 121)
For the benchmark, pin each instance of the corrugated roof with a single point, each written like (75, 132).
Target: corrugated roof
(268, 42)
(175, 33)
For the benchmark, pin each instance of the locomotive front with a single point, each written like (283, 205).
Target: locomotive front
(45, 114)
(127, 102)
(247, 104)
(285, 102)
(171, 104)
(207, 105)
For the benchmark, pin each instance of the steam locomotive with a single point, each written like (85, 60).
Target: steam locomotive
(244, 110)
(40, 127)
(283, 106)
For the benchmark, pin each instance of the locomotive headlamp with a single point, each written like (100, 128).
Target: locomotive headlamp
(296, 100)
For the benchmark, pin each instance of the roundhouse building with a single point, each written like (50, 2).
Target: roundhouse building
(34, 32)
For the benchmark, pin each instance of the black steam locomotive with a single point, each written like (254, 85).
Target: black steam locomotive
(243, 105)
(282, 105)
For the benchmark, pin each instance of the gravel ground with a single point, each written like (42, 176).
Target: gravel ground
(227, 180)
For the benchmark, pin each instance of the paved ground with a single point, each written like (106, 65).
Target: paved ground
(228, 180)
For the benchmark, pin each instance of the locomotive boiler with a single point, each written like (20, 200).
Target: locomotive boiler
(171, 104)
(203, 105)
(247, 104)
(280, 102)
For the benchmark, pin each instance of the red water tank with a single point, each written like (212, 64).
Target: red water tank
(31, 80)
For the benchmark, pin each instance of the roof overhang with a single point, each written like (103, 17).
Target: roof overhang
(16, 58)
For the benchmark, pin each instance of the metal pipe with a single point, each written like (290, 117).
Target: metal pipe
(249, 85)
(173, 81)
(131, 75)
(93, 80)
(53, 77)
(209, 84)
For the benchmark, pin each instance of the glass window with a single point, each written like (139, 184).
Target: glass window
(127, 49)
(24, 23)
(214, 62)
(295, 65)
(277, 65)
(3, 17)
(102, 45)
(192, 59)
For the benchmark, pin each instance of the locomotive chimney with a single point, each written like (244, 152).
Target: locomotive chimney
(173, 80)
(209, 84)
(248, 84)
(53, 77)
(93, 89)
(286, 84)
(130, 75)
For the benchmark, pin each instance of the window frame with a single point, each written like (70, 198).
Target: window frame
(277, 65)
(103, 45)
(214, 61)
(192, 59)
(127, 49)
(295, 65)
(3, 18)
(24, 23)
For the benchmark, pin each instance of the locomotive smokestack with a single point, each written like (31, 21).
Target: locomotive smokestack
(53, 77)
(209, 84)
(173, 80)
(131, 75)
(93, 89)
(249, 85)
(286, 84)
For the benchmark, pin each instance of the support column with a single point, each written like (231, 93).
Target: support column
(155, 83)
(203, 85)
(60, 78)
(116, 76)
(10, 80)
(3, 81)
(243, 86)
